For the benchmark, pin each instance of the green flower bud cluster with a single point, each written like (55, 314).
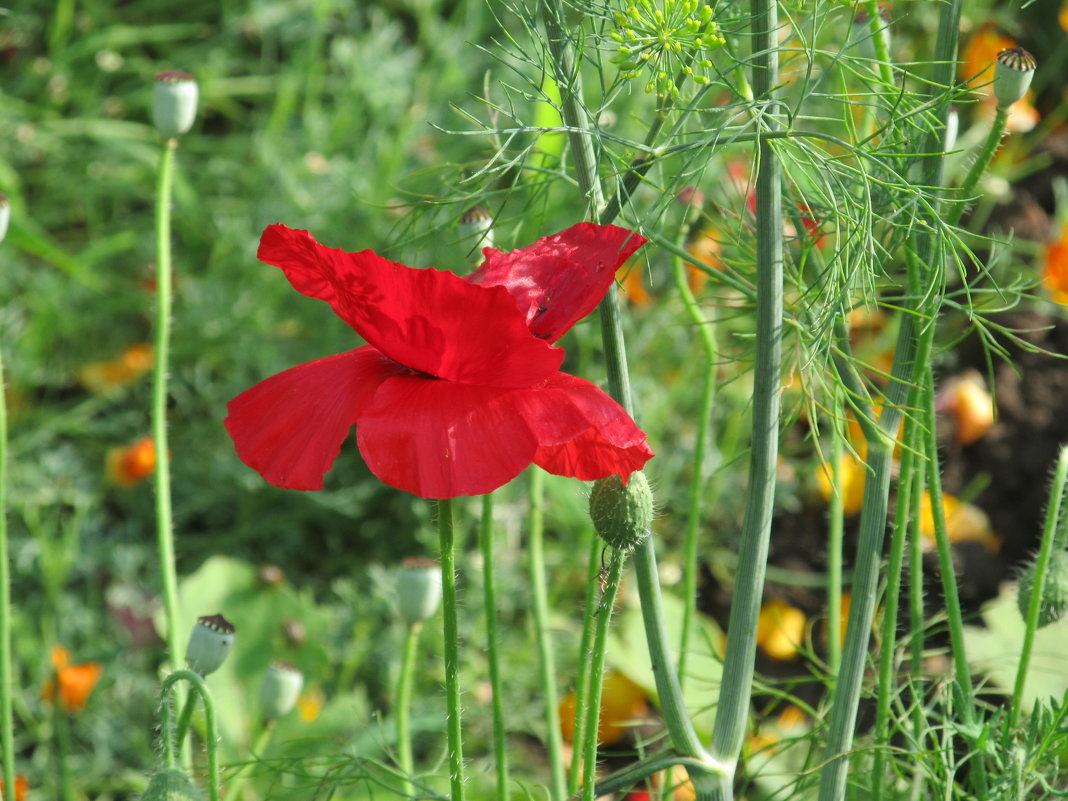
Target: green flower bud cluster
(662, 43)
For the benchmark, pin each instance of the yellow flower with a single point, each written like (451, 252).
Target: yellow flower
(781, 630)
(851, 475)
(76, 682)
(966, 398)
(310, 704)
(964, 523)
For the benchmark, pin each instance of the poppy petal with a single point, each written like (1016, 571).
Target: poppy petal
(581, 431)
(438, 439)
(290, 427)
(560, 279)
(430, 320)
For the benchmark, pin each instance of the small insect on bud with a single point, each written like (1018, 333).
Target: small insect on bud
(1054, 603)
(171, 784)
(622, 514)
(5, 215)
(418, 590)
(281, 687)
(174, 103)
(1012, 75)
(209, 644)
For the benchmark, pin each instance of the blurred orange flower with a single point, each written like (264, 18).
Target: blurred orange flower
(964, 523)
(309, 705)
(1055, 271)
(76, 682)
(979, 55)
(1062, 16)
(966, 398)
(129, 465)
(634, 288)
(21, 787)
(103, 378)
(622, 704)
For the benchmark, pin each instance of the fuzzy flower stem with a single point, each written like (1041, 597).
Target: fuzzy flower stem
(164, 519)
(982, 161)
(737, 687)
(546, 662)
(880, 40)
(211, 737)
(582, 680)
(500, 750)
(7, 738)
(1050, 542)
(446, 537)
(404, 704)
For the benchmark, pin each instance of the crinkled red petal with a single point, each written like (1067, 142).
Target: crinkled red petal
(560, 279)
(439, 439)
(581, 431)
(290, 428)
(430, 320)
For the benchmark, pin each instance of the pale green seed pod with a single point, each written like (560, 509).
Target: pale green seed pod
(209, 644)
(1013, 72)
(281, 687)
(174, 103)
(418, 590)
(1054, 604)
(171, 784)
(622, 514)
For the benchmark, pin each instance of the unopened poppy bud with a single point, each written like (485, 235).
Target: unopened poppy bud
(5, 215)
(622, 513)
(1012, 75)
(174, 103)
(172, 784)
(418, 589)
(210, 642)
(281, 687)
(1054, 603)
(476, 225)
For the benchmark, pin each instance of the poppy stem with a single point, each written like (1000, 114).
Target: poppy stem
(582, 680)
(446, 538)
(7, 737)
(979, 166)
(211, 737)
(404, 705)
(164, 519)
(546, 662)
(500, 749)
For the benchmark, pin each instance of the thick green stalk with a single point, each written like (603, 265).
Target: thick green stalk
(446, 538)
(403, 712)
(737, 687)
(835, 530)
(7, 735)
(489, 588)
(164, 518)
(707, 337)
(546, 662)
(1050, 542)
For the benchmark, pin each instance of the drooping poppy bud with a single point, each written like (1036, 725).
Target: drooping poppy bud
(1013, 72)
(418, 589)
(622, 514)
(209, 644)
(281, 687)
(174, 103)
(1054, 603)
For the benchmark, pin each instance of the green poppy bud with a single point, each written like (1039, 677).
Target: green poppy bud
(174, 103)
(622, 513)
(476, 225)
(418, 590)
(281, 687)
(1054, 590)
(171, 784)
(1012, 75)
(5, 215)
(210, 642)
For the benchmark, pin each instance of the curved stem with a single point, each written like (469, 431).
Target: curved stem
(164, 519)
(500, 751)
(404, 704)
(211, 736)
(446, 537)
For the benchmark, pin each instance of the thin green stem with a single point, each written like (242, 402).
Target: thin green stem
(185, 718)
(164, 519)
(211, 738)
(500, 750)
(979, 166)
(446, 538)
(582, 680)
(546, 662)
(61, 724)
(706, 334)
(737, 687)
(1046, 547)
(7, 732)
(403, 712)
(835, 529)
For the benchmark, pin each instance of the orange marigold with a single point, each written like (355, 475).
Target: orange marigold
(21, 787)
(76, 682)
(1055, 271)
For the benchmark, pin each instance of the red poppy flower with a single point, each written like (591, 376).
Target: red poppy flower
(458, 388)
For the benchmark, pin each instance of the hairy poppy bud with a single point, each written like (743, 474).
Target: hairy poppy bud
(5, 215)
(622, 513)
(174, 103)
(281, 686)
(1054, 591)
(1012, 75)
(210, 642)
(171, 784)
(418, 589)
